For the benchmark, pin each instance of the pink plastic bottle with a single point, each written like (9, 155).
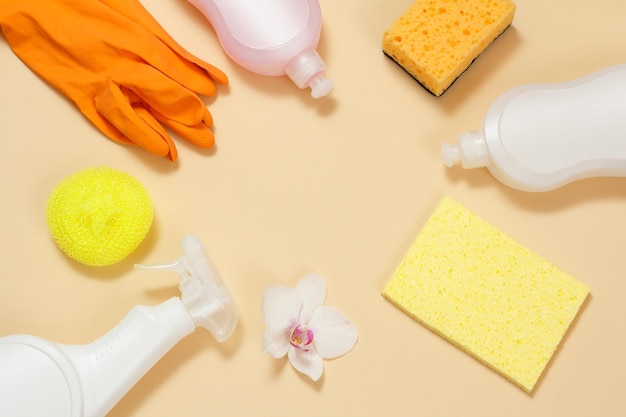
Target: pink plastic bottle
(272, 37)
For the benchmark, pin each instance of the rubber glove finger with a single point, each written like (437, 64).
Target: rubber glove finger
(164, 95)
(102, 123)
(199, 134)
(141, 128)
(142, 109)
(149, 119)
(193, 77)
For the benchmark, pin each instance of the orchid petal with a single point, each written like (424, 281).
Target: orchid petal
(335, 335)
(307, 362)
(275, 345)
(312, 289)
(281, 307)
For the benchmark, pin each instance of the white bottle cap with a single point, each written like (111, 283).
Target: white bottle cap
(470, 151)
(307, 70)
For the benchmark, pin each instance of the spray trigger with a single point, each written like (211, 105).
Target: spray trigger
(203, 293)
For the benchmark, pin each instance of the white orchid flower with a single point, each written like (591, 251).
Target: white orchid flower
(301, 327)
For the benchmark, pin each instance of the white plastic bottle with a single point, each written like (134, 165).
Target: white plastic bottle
(272, 37)
(539, 137)
(42, 378)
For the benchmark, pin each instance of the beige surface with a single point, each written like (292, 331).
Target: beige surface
(339, 186)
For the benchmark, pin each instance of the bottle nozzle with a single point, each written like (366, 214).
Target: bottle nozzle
(450, 154)
(307, 70)
(470, 150)
(320, 86)
(203, 293)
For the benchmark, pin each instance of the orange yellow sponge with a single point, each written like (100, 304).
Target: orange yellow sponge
(437, 40)
(485, 293)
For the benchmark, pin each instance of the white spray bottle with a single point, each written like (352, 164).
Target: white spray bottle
(41, 378)
(272, 37)
(539, 137)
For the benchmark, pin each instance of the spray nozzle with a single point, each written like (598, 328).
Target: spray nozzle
(205, 296)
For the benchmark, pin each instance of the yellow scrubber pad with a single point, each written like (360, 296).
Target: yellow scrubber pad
(437, 40)
(485, 293)
(99, 216)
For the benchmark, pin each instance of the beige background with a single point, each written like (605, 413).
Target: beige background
(339, 186)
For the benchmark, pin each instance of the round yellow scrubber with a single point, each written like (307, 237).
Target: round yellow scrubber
(99, 216)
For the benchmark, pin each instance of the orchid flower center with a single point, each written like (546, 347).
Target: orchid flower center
(301, 337)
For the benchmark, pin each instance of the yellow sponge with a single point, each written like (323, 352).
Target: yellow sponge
(485, 293)
(99, 216)
(437, 40)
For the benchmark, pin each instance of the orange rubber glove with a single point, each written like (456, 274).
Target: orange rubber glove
(118, 65)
